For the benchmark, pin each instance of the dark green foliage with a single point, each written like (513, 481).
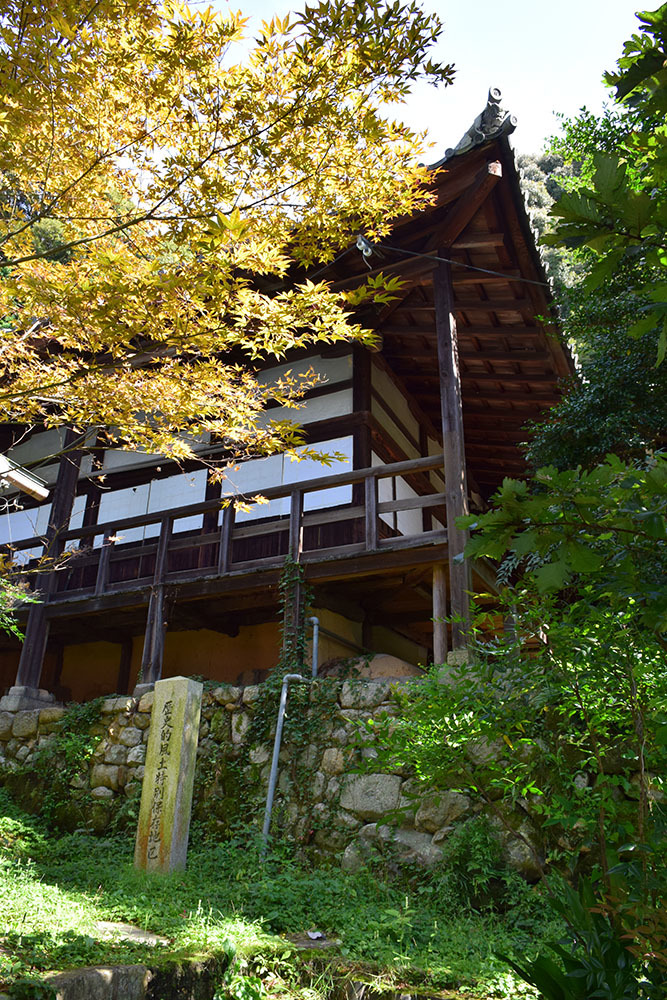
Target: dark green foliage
(607, 231)
(616, 403)
(44, 784)
(594, 961)
(48, 238)
(619, 213)
(603, 530)
(575, 738)
(12, 596)
(473, 875)
(32, 988)
(544, 178)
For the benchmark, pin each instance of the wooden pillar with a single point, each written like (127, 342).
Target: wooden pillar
(37, 627)
(427, 516)
(439, 613)
(367, 633)
(207, 553)
(370, 485)
(123, 682)
(156, 619)
(361, 440)
(293, 633)
(361, 403)
(452, 439)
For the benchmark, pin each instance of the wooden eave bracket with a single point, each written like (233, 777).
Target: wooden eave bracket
(465, 209)
(468, 204)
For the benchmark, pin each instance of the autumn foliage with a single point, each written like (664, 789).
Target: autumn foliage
(166, 186)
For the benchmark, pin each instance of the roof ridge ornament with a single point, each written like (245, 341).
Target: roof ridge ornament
(492, 123)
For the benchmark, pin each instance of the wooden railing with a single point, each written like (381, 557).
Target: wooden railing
(345, 529)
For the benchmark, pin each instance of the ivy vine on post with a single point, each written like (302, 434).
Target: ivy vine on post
(294, 598)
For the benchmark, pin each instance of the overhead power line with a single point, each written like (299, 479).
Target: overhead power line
(457, 263)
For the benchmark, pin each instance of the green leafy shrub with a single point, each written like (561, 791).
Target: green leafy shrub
(45, 783)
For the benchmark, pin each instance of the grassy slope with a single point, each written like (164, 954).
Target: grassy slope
(53, 889)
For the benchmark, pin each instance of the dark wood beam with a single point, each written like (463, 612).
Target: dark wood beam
(510, 332)
(529, 398)
(478, 241)
(493, 447)
(490, 434)
(462, 277)
(428, 354)
(37, 627)
(361, 403)
(540, 378)
(424, 377)
(406, 267)
(439, 611)
(417, 307)
(482, 332)
(467, 206)
(477, 402)
(518, 355)
(456, 491)
(493, 305)
(476, 425)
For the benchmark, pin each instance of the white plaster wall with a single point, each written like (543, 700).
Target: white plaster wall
(385, 491)
(38, 446)
(410, 522)
(398, 405)
(119, 458)
(41, 446)
(119, 504)
(16, 525)
(151, 498)
(175, 491)
(308, 468)
(78, 508)
(332, 404)
(331, 369)
(250, 478)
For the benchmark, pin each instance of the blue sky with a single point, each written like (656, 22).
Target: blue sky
(546, 57)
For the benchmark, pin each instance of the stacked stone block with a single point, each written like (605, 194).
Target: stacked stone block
(345, 813)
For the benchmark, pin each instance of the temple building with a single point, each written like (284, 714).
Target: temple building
(166, 579)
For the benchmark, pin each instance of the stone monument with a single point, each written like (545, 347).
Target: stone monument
(166, 795)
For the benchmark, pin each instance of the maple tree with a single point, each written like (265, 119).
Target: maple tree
(165, 187)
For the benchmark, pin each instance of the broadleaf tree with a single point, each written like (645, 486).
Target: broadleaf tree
(621, 213)
(559, 722)
(166, 187)
(615, 400)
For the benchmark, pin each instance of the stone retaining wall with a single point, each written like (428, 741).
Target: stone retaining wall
(321, 802)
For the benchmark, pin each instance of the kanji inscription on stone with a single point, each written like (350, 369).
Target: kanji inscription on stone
(166, 794)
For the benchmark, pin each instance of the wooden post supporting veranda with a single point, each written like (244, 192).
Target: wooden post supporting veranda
(156, 619)
(456, 492)
(293, 591)
(439, 613)
(37, 627)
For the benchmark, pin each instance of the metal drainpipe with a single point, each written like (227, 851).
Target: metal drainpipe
(273, 776)
(315, 622)
(274, 760)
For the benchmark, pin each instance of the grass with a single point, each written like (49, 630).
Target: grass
(413, 930)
